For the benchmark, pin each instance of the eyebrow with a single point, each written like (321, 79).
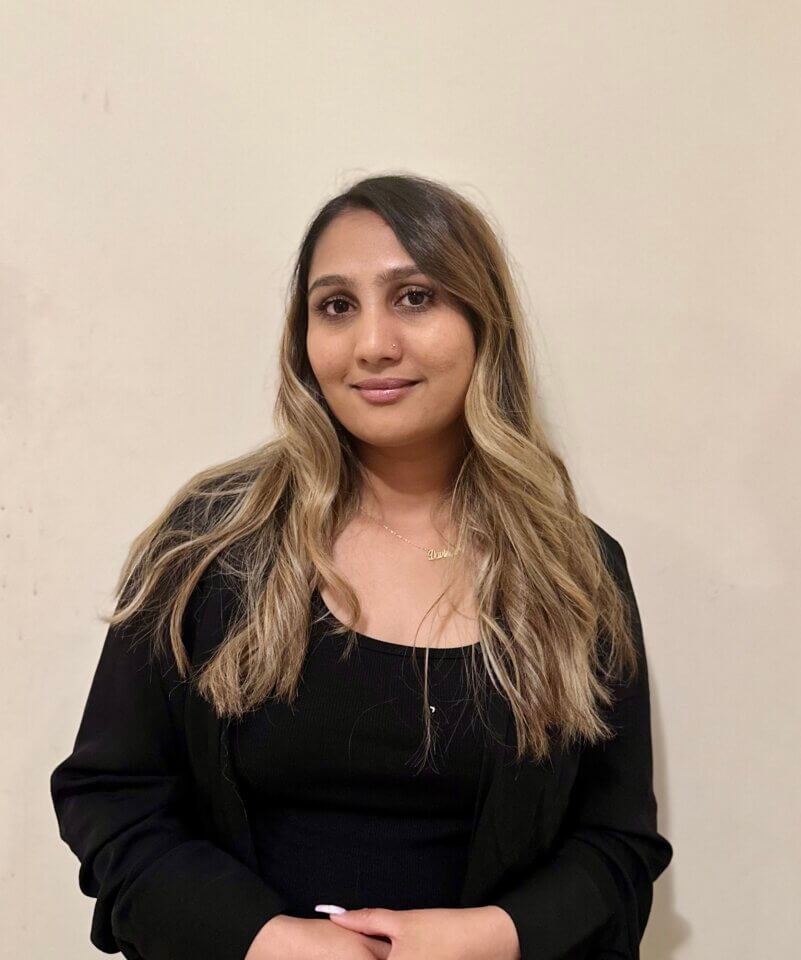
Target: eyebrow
(394, 273)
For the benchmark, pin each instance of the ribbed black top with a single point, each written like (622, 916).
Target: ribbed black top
(339, 809)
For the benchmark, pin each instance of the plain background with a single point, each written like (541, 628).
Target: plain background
(160, 162)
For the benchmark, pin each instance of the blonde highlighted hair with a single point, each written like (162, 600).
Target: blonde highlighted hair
(555, 626)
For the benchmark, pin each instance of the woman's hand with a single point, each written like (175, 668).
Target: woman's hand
(466, 933)
(295, 938)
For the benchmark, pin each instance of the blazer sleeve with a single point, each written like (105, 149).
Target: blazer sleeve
(591, 898)
(163, 891)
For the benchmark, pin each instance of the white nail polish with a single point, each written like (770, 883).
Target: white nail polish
(329, 908)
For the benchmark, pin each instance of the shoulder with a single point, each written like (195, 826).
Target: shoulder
(210, 609)
(611, 550)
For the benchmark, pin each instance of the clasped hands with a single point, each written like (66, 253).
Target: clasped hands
(378, 933)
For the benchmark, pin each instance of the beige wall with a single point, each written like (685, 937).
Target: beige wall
(159, 164)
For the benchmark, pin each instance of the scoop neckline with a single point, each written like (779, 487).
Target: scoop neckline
(388, 646)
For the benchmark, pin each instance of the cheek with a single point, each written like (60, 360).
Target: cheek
(325, 362)
(450, 351)
(451, 363)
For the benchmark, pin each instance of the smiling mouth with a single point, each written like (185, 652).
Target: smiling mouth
(389, 385)
(385, 394)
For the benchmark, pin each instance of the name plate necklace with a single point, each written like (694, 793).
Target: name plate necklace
(431, 552)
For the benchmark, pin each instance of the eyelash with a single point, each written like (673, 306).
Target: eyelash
(321, 308)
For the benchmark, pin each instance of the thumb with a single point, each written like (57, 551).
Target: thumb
(375, 920)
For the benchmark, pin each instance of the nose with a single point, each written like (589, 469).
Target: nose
(378, 334)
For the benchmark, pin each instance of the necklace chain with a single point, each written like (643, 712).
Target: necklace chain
(431, 552)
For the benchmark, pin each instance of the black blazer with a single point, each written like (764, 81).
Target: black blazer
(148, 804)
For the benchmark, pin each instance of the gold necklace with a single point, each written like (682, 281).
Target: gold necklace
(431, 552)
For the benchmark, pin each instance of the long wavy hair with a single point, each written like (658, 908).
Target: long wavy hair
(554, 626)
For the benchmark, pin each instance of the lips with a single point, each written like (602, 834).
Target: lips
(383, 384)
(387, 394)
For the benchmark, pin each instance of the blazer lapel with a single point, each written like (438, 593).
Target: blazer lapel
(520, 810)
(488, 850)
(222, 809)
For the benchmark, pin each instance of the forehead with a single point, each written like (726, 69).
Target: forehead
(356, 240)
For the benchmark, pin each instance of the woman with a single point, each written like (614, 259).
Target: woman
(269, 765)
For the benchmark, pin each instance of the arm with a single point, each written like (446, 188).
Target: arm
(163, 892)
(592, 897)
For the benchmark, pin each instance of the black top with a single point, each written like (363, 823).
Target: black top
(341, 808)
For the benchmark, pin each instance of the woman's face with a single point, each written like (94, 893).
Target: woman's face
(362, 325)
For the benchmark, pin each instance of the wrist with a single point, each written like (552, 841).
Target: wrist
(267, 942)
(498, 933)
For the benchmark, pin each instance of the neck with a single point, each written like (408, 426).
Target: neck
(409, 484)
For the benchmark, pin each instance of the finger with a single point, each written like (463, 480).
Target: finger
(379, 947)
(369, 920)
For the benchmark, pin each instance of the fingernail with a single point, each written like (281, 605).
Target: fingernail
(329, 908)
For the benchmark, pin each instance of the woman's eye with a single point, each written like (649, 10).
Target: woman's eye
(419, 293)
(322, 308)
(427, 295)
